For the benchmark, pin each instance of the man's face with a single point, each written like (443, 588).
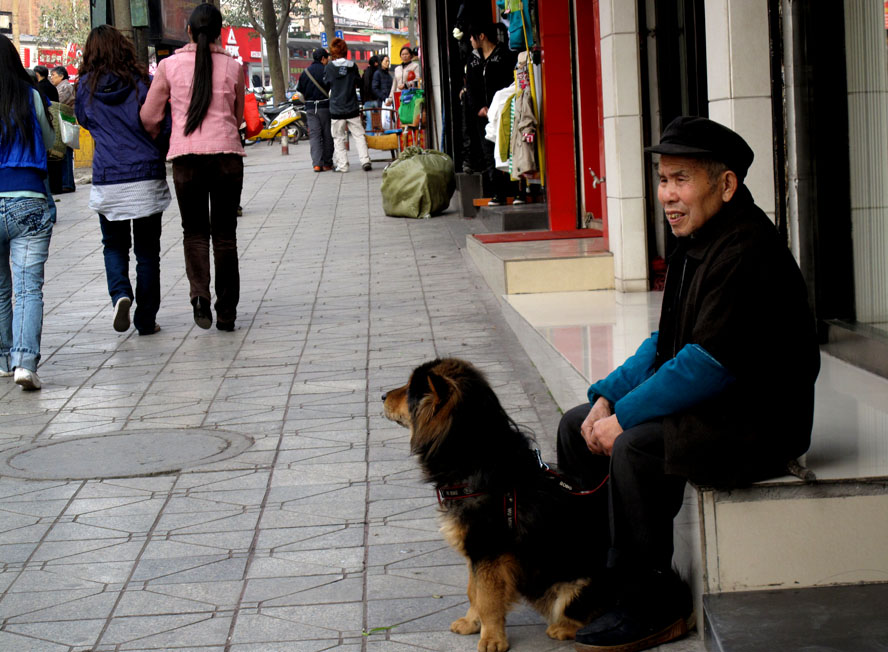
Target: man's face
(55, 78)
(687, 194)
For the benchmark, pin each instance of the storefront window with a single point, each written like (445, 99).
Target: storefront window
(867, 75)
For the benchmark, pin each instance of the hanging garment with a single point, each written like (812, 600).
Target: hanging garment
(524, 151)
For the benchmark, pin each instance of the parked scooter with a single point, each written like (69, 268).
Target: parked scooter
(276, 119)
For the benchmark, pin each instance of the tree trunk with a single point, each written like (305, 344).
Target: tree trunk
(285, 52)
(273, 50)
(329, 25)
(411, 23)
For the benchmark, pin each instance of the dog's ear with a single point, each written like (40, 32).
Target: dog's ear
(439, 389)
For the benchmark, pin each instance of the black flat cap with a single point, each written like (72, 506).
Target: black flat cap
(695, 136)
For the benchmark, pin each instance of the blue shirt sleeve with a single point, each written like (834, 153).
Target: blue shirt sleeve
(628, 375)
(689, 378)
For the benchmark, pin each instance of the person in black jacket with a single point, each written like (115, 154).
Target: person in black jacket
(44, 85)
(496, 72)
(383, 79)
(368, 99)
(316, 93)
(722, 394)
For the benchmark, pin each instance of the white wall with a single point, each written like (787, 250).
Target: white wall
(624, 158)
(739, 81)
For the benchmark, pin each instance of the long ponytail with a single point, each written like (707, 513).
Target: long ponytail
(206, 26)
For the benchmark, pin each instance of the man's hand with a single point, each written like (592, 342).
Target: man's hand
(600, 410)
(604, 433)
(483, 112)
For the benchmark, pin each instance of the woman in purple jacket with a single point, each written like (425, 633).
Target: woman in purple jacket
(129, 188)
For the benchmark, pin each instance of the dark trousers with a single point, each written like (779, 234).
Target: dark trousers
(496, 182)
(146, 247)
(68, 171)
(643, 498)
(208, 189)
(320, 137)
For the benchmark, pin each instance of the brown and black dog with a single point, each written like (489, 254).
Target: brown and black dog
(524, 530)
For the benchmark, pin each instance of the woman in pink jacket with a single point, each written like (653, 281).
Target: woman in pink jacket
(205, 90)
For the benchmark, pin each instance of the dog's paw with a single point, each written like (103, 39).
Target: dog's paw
(562, 631)
(498, 643)
(465, 626)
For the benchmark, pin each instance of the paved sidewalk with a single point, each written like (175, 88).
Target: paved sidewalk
(259, 500)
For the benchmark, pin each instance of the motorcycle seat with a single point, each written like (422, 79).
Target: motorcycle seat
(273, 111)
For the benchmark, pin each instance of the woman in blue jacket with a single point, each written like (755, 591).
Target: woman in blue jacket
(129, 188)
(26, 218)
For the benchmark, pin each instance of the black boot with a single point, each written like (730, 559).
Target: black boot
(655, 607)
(203, 316)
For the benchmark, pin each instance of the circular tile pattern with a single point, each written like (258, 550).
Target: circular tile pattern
(121, 454)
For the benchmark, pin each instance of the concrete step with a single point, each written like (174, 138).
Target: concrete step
(552, 265)
(837, 618)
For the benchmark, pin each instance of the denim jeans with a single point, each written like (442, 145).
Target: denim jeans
(208, 189)
(146, 246)
(25, 231)
(368, 115)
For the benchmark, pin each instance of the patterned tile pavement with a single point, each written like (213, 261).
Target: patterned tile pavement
(321, 535)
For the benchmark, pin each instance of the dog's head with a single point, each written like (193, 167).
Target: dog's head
(453, 415)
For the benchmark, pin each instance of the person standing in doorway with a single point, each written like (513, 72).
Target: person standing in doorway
(129, 189)
(496, 72)
(343, 78)
(26, 218)
(204, 87)
(316, 93)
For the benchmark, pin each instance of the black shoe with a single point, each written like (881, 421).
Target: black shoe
(151, 331)
(652, 612)
(367, 167)
(203, 316)
(224, 325)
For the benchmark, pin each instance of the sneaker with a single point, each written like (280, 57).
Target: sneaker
(327, 168)
(151, 331)
(203, 316)
(367, 167)
(519, 200)
(6, 374)
(121, 314)
(318, 168)
(342, 169)
(496, 201)
(227, 326)
(27, 379)
(650, 614)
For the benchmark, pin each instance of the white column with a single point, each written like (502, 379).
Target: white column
(867, 70)
(739, 84)
(621, 96)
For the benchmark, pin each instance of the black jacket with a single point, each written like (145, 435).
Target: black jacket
(367, 84)
(498, 71)
(49, 91)
(310, 92)
(734, 289)
(343, 77)
(382, 84)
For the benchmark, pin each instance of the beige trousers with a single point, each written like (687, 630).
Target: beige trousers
(341, 129)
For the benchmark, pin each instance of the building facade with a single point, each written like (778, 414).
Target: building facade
(804, 82)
